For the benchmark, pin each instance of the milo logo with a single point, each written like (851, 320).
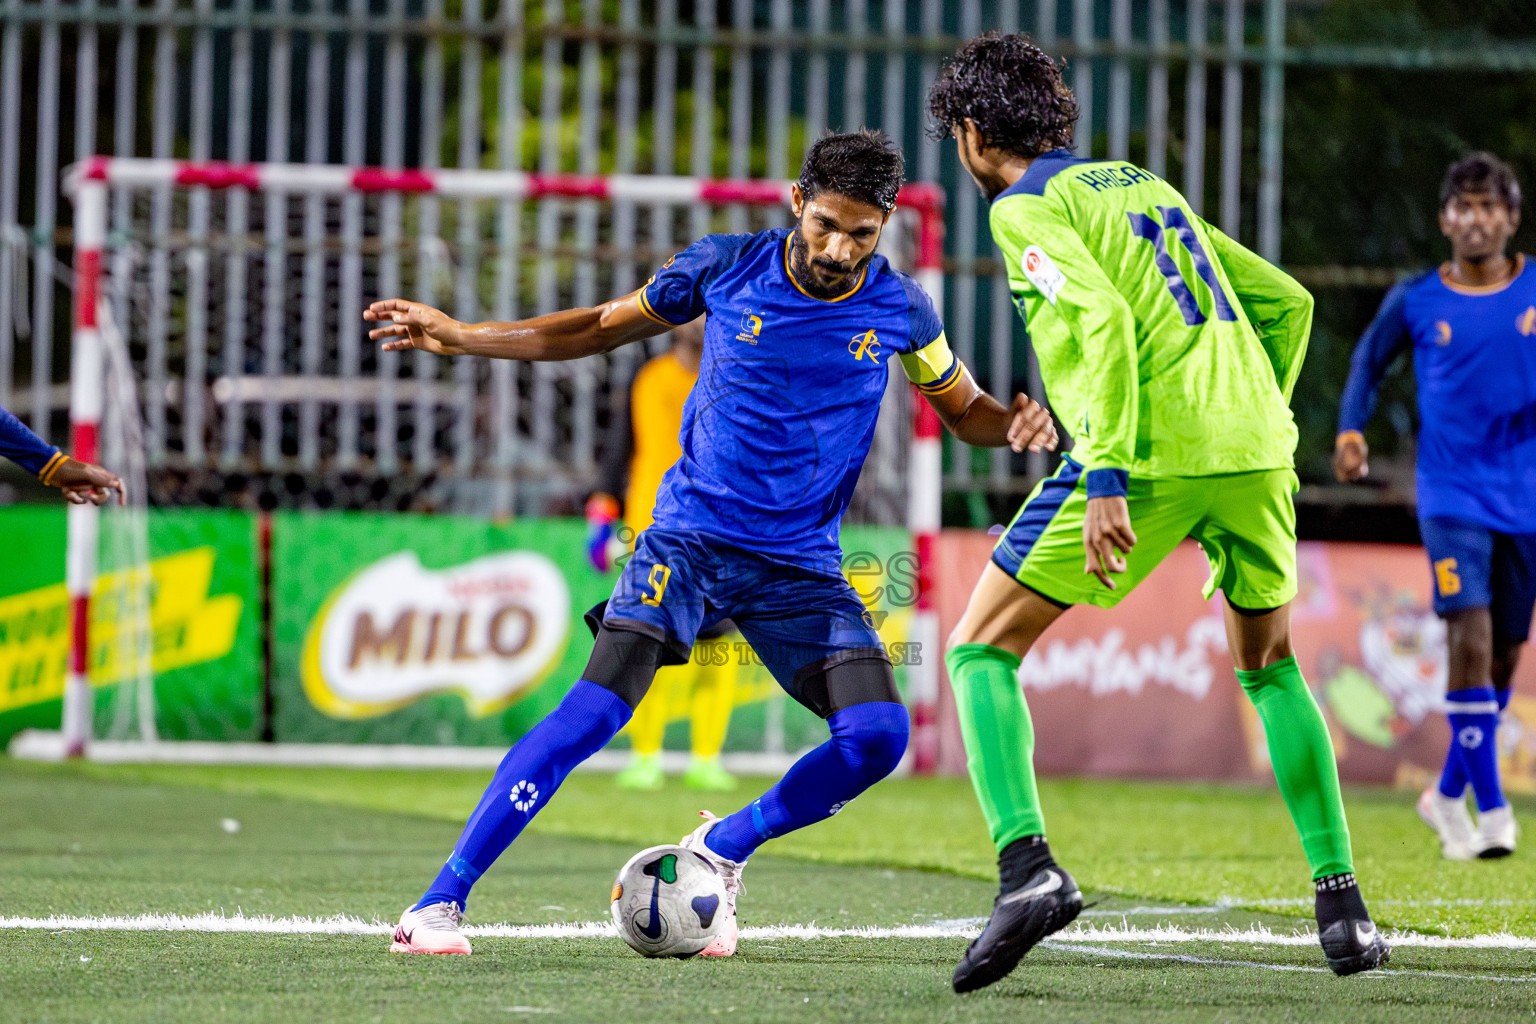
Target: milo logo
(487, 630)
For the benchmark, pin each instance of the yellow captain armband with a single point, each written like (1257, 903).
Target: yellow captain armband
(52, 467)
(933, 368)
(646, 308)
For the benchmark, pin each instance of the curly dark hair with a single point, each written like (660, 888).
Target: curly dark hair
(1012, 89)
(1481, 172)
(864, 165)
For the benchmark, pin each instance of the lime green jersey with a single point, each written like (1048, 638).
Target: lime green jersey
(1167, 349)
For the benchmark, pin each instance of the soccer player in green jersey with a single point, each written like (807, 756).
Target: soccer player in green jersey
(1169, 352)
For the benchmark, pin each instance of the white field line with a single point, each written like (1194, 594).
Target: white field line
(1261, 936)
(1226, 905)
(1127, 954)
(959, 929)
(1232, 902)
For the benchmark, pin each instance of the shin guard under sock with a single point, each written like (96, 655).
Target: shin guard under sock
(866, 745)
(999, 739)
(1474, 718)
(533, 769)
(1453, 778)
(1305, 768)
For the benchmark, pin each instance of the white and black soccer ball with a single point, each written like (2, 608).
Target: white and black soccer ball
(668, 901)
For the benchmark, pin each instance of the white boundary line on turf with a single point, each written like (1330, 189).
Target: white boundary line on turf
(1228, 905)
(1232, 903)
(1261, 936)
(963, 929)
(1129, 954)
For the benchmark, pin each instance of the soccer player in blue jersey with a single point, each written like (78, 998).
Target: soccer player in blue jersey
(1471, 326)
(81, 482)
(801, 324)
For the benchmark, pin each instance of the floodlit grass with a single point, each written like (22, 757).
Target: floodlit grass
(1150, 841)
(93, 840)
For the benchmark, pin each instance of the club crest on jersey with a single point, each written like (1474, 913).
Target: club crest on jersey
(1442, 333)
(864, 344)
(1043, 273)
(751, 327)
(1525, 323)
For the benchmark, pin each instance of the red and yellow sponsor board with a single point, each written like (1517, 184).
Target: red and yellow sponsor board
(1147, 689)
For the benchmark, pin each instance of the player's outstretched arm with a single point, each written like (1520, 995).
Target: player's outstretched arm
(980, 420)
(568, 334)
(81, 482)
(1381, 343)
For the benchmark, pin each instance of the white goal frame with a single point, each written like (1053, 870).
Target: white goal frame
(88, 184)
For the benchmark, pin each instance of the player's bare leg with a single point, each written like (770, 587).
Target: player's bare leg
(1308, 777)
(1001, 623)
(1004, 614)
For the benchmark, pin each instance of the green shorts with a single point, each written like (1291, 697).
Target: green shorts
(1245, 522)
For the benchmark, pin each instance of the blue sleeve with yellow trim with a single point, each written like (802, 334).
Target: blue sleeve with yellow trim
(26, 449)
(928, 362)
(1382, 342)
(675, 294)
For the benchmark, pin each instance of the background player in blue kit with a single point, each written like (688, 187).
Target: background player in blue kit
(1471, 324)
(801, 324)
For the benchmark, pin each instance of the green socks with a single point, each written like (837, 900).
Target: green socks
(999, 740)
(1302, 755)
(1000, 746)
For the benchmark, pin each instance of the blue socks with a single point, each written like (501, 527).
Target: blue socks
(586, 719)
(1474, 753)
(1453, 779)
(866, 745)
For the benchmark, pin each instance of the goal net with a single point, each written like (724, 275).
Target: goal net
(220, 357)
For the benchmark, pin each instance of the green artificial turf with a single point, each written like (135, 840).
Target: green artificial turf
(92, 840)
(1143, 840)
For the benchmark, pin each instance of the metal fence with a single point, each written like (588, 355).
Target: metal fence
(1192, 89)
(517, 435)
(728, 89)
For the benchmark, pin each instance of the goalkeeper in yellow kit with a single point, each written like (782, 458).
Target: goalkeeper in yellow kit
(1169, 352)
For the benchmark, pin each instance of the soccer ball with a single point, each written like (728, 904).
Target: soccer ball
(668, 901)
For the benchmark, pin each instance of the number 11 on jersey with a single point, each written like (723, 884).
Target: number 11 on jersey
(1147, 227)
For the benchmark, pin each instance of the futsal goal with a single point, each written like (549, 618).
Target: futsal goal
(217, 343)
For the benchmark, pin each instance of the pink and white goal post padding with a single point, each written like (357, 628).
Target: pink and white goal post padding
(89, 181)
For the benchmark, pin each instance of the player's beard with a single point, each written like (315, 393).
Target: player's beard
(801, 268)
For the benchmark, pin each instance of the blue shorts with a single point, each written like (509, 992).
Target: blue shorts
(1475, 567)
(799, 620)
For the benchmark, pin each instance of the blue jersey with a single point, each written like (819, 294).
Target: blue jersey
(1474, 358)
(780, 422)
(26, 449)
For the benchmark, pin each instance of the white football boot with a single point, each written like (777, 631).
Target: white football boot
(1459, 838)
(730, 874)
(1497, 831)
(432, 929)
